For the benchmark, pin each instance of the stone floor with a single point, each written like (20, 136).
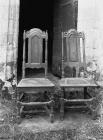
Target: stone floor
(72, 119)
(77, 125)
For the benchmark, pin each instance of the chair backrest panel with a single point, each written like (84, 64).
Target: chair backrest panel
(73, 50)
(35, 47)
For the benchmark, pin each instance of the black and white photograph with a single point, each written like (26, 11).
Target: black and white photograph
(51, 69)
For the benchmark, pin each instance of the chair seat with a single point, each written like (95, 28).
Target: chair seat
(35, 82)
(77, 82)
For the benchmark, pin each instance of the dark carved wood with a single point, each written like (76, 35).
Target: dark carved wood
(76, 84)
(73, 52)
(33, 89)
(62, 103)
(62, 108)
(73, 57)
(52, 110)
(35, 39)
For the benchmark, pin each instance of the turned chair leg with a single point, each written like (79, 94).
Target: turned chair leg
(94, 115)
(18, 110)
(18, 113)
(61, 109)
(62, 105)
(52, 110)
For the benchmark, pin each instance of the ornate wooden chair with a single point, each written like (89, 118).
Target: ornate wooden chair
(31, 92)
(75, 55)
(73, 47)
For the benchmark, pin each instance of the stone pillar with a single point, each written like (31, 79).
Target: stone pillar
(3, 35)
(90, 21)
(9, 17)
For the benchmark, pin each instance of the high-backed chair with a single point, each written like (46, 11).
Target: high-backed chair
(37, 50)
(73, 43)
(35, 43)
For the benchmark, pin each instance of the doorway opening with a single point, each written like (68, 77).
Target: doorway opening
(53, 16)
(35, 14)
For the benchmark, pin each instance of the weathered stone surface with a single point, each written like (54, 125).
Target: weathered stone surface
(9, 14)
(90, 21)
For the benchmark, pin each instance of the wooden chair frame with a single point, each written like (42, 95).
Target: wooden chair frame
(29, 34)
(67, 83)
(33, 86)
(67, 35)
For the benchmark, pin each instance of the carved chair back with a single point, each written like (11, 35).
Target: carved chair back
(35, 44)
(73, 48)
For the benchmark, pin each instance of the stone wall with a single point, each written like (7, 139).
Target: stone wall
(90, 21)
(4, 7)
(9, 14)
